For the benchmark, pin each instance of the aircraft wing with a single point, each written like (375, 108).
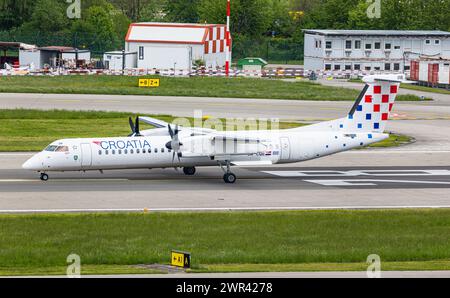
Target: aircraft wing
(162, 124)
(154, 122)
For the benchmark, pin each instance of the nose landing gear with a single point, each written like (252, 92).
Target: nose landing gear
(229, 177)
(44, 177)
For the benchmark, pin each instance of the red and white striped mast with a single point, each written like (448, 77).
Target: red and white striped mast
(228, 40)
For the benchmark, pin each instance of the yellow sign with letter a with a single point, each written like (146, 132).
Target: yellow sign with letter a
(148, 82)
(180, 259)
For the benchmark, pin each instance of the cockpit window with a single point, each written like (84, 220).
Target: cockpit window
(62, 149)
(51, 148)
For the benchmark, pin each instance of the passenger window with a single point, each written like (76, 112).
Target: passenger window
(114, 152)
(99, 152)
(131, 151)
(144, 151)
(106, 152)
(162, 150)
(138, 151)
(126, 151)
(156, 150)
(120, 151)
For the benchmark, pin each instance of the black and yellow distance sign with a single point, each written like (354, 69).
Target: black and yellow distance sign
(180, 259)
(149, 83)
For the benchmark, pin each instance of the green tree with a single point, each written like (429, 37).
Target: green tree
(249, 17)
(153, 11)
(96, 30)
(48, 16)
(182, 11)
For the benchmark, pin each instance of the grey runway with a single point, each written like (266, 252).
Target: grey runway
(428, 122)
(209, 178)
(331, 183)
(256, 189)
(303, 110)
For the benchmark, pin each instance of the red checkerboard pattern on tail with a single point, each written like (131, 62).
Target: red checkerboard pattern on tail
(216, 40)
(374, 108)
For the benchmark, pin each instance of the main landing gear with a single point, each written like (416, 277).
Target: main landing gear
(44, 177)
(189, 171)
(228, 177)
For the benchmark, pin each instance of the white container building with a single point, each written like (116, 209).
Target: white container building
(178, 46)
(371, 50)
(114, 60)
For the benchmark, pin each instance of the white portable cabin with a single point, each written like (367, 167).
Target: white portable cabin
(51, 56)
(431, 71)
(82, 55)
(114, 60)
(175, 45)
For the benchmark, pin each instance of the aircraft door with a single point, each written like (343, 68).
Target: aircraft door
(86, 155)
(285, 149)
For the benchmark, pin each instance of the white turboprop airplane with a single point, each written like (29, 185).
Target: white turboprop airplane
(184, 147)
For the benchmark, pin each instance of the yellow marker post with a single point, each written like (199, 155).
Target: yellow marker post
(180, 259)
(153, 83)
(149, 83)
(143, 82)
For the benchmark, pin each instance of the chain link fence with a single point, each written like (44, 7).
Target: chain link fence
(96, 44)
(274, 50)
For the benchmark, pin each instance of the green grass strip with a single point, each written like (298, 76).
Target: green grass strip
(200, 86)
(221, 241)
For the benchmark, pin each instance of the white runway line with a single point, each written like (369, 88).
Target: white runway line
(64, 180)
(369, 182)
(18, 180)
(376, 151)
(150, 210)
(356, 173)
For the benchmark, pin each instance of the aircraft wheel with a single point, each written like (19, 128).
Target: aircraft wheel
(44, 177)
(229, 178)
(189, 171)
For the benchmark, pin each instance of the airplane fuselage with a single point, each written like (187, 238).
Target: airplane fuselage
(284, 146)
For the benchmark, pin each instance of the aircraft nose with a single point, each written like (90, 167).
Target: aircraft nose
(32, 164)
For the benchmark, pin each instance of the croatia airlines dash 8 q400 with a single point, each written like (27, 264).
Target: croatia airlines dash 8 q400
(186, 147)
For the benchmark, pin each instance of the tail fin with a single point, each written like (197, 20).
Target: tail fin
(372, 109)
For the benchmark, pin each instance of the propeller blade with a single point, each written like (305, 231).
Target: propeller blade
(131, 124)
(170, 131)
(137, 132)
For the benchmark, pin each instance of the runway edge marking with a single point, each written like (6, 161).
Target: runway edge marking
(149, 210)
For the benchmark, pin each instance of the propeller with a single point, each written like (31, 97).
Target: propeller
(175, 143)
(135, 132)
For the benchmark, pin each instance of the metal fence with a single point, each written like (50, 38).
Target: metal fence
(274, 50)
(96, 44)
